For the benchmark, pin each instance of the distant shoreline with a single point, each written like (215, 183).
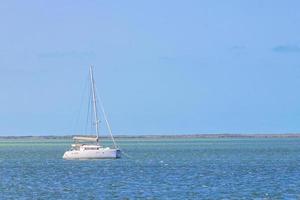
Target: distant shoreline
(288, 135)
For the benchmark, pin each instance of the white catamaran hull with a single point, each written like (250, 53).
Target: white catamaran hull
(102, 153)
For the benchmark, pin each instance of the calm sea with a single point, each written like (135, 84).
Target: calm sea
(155, 169)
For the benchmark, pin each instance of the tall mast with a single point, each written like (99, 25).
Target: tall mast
(94, 102)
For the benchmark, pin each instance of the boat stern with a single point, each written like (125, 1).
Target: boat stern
(118, 153)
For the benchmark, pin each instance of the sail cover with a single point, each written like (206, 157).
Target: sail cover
(87, 139)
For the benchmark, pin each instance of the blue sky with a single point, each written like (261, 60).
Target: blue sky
(162, 67)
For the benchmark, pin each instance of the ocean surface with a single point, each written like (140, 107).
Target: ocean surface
(154, 169)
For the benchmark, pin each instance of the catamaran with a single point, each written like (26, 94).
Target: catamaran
(90, 147)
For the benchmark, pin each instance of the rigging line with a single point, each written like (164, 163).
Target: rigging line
(88, 113)
(107, 123)
(76, 119)
(131, 158)
(126, 154)
(106, 120)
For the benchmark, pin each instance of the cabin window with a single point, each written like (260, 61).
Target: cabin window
(91, 148)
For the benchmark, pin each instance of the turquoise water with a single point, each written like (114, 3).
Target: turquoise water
(156, 169)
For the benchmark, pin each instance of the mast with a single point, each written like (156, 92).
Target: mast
(94, 102)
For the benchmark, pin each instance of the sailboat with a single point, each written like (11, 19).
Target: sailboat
(90, 147)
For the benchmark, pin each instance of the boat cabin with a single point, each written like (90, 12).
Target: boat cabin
(85, 147)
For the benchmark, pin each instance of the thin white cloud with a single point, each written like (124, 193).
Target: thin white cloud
(287, 49)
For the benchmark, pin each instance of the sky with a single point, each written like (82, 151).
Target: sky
(161, 67)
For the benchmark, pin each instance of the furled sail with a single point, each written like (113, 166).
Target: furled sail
(86, 139)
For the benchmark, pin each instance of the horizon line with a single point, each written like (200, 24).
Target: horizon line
(200, 135)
